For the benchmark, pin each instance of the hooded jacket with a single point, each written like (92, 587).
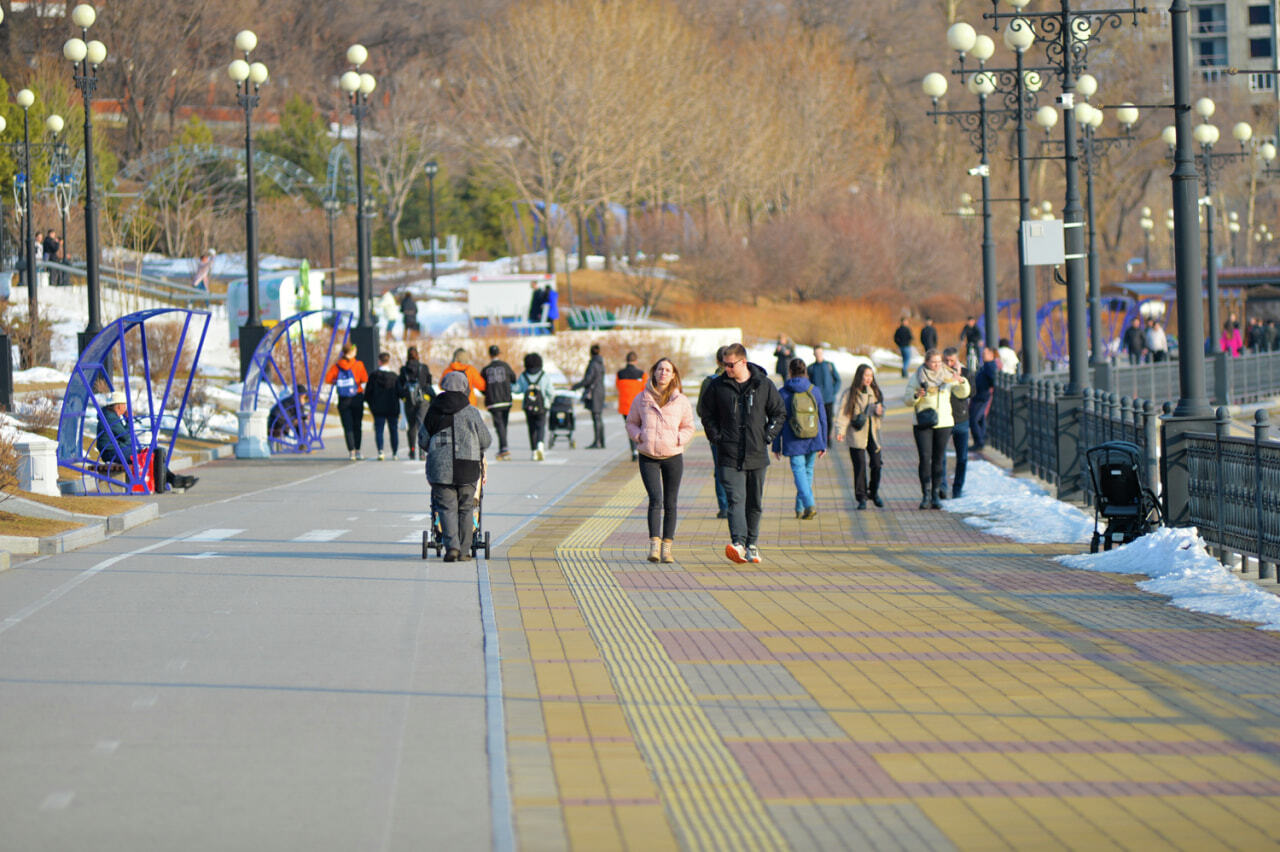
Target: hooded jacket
(456, 440)
(787, 443)
(355, 365)
(742, 419)
(382, 393)
(498, 378)
(660, 432)
(473, 375)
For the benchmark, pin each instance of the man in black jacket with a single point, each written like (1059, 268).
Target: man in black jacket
(498, 379)
(742, 414)
(902, 339)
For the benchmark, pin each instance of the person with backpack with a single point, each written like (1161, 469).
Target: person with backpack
(929, 392)
(382, 393)
(660, 424)
(630, 383)
(803, 439)
(535, 385)
(742, 414)
(826, 378)
(858, 425)
(498, 378)
(348, 377)
(592, 386)
(456, 441)
(416, 393)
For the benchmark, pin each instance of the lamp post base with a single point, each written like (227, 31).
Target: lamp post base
(250, 336)
(365, 337)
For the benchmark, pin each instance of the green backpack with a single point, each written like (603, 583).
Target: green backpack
(804, 415)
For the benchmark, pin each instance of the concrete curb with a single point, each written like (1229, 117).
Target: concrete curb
(96, 528)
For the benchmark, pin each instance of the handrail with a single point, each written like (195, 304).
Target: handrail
(163, 288)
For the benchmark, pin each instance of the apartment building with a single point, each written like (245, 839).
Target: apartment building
(1240, 35)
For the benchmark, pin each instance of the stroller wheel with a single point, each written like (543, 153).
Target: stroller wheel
(1106, 542)
(551, 442)
(1094, 542)
(486, 545)
(426, 543)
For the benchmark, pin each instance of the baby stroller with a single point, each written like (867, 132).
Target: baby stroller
(561, 419)
(433, 539)
(1119, 496)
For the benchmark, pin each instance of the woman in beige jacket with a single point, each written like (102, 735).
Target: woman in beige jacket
(858, 422)
(929, 392)
(660, 423)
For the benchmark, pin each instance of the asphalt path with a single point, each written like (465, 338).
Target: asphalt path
(269, 665)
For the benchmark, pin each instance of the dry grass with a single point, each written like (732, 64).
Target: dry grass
(102, 506)
(21, 525)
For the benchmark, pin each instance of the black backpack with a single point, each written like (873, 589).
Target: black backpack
(534, 403)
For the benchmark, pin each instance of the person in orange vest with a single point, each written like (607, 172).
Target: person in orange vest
(459, 365)
(630, 383)
(348, 377)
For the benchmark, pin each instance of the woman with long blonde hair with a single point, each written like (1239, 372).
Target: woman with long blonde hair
(660, 423)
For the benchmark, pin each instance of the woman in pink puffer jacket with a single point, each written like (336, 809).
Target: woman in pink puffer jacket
(661, 425)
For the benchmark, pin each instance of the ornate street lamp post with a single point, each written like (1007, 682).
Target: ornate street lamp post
(358, 86)
(332, 207)
(432, 168)
(1146, 223)
(60, 179)
(85, 56)
(249, 77)
(25, 98)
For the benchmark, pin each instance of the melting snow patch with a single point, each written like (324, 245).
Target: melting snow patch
(1180, 567)
(1016, 508)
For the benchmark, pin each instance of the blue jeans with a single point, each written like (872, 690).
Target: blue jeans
(959, 440)
(905, 351)
(391, 424)
(802, 472)
(722, 502)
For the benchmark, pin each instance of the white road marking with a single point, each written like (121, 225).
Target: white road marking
(208, 554)
(417, 519)
(321, 535)
(213, 535)
(412, 538)
(145, 701)
(57, 801)
(106, 746)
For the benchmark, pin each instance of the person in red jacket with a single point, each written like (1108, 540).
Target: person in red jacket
(348, 377)
(630, 383)
(474, 379)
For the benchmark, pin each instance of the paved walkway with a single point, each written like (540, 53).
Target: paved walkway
(888, 679)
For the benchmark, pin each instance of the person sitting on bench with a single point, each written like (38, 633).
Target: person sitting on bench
(111, 425)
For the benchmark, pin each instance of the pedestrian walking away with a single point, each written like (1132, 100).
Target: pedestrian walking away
(1135, 341)
(903, 338)
(1007, 357)
(382, 394)
(984, 383)
(929, 393)
(498, 378)
(416, 393)
(537, 392)
(722, 502)
(460, 364)
(592, 387)
(928, 335)
(629, 383)
(456, 441)
(971, 343)
(660, 424)
(960, 427)
(782, 354)
(409, 315)
(803, 439)
(858, 423)
(826, 378)
(551, 301)
(537, 305)
(348, 377)
(742, 414)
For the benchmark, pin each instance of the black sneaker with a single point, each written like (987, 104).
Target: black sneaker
(862, 504)
(879, 502)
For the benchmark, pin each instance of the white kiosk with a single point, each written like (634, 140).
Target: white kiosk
(493, 299)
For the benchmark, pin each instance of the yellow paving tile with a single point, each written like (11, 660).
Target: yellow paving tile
(963, 826)
(564, 719)
(645, 828)
(577, 770)
(1179, 831)
(593, 827)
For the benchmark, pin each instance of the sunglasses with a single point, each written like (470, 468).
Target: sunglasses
(728, 364)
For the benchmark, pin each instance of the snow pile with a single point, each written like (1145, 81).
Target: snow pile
(1016, 508)
(39, 375)
(1180, 567)
(846, 363)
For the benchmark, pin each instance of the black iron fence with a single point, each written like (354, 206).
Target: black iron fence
(1234, 492)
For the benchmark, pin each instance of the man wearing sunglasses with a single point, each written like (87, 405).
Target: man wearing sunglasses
(742, 414)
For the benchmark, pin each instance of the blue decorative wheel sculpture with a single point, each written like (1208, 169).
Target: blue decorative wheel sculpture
(287, 373)
(144, 361)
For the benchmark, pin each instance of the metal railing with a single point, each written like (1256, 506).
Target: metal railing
(1111, 417)
(160, 289)
(1234, 492)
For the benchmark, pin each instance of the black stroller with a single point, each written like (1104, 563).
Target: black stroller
(561, 419)
(1119, 496)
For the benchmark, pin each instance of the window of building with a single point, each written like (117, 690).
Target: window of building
(1260, 48)
(1210, 52)
(1210, 19)
(1259, 15)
